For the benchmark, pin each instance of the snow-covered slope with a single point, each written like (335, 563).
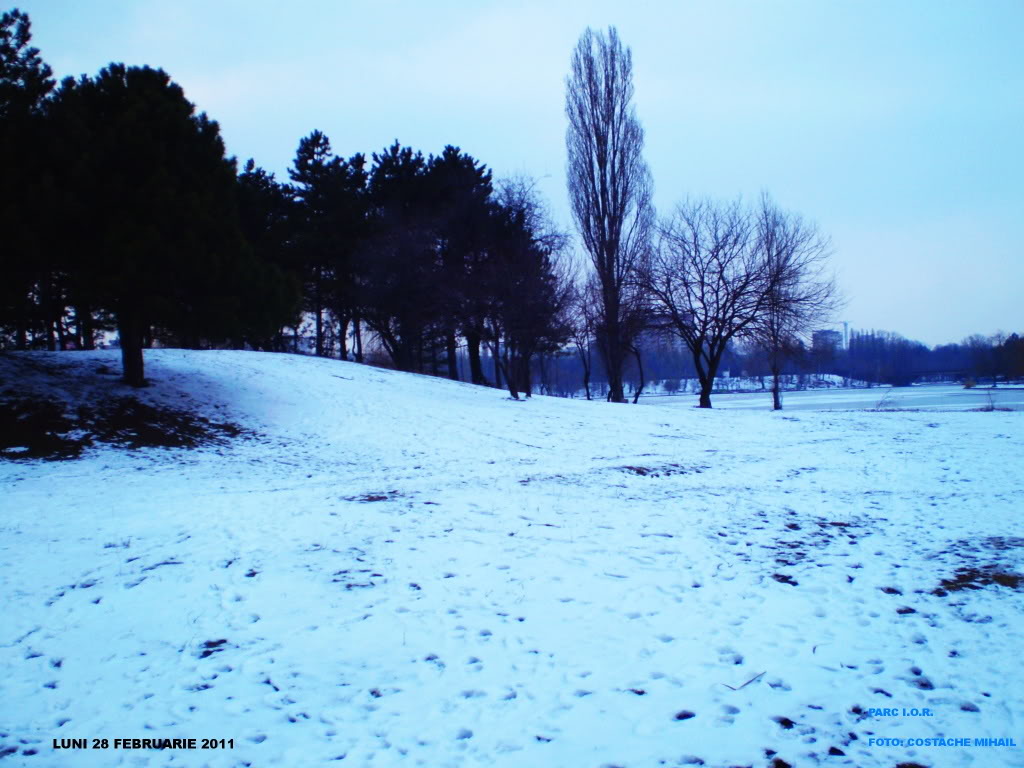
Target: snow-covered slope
(389, 569)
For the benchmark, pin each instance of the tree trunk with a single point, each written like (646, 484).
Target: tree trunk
(502, 369)
(46, 312)
(585, 364)
(613, 365)
(508, 371)
(359, 338)
(343, 338)
(706, 379)
(452, 351)
(497, 366)
(776, 386)
(610, 348)
(318, 311)
(130, 330)
(525, 379)
(705, 393)
(476, 371)
(86, 329)
(62, 342)
(640, 368)
(319, 329)
(51, 338)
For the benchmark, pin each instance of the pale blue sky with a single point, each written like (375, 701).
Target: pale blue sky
(895, 125)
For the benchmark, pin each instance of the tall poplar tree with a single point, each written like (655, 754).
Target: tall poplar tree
(609, 189)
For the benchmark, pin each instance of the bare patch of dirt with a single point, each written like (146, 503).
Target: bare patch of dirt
(368, 497)
(978, 578)
(38, 429)
(793, 548)
(665, 470)
(35, 428)
(128, 422)
(987, 562)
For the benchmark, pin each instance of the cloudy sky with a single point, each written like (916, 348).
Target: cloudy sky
(896, 126)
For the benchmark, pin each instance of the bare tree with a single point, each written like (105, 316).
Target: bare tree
(709, 283)
(609, 187)
(801, 293)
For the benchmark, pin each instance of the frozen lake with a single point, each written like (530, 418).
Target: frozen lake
(945, 397)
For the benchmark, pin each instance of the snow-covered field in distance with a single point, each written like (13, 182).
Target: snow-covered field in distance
(393, 570)
(932, 397)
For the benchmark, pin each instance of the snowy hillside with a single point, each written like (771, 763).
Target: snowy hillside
(385, 569)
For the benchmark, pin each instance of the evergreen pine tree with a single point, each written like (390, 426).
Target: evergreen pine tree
(156, 224)
(25, 188)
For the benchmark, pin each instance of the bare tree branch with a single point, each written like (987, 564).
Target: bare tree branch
(802, 293)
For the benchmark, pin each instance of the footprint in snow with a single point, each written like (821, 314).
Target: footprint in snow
(729, 656)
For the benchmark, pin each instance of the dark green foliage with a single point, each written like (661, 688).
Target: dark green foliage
(25, 79)
(120, 210)
(461, 191)
(151, 217)
(25, 186)
(151, 203)
(528, 297)
(329, 222)
(399, 262)
(446, 258)
(266, 218)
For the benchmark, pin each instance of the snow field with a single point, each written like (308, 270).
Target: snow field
(398, 570)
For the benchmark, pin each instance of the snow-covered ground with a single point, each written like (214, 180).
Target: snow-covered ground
(395, 570)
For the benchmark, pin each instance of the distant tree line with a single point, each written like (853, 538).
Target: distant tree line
(880, 357)
(872, 358)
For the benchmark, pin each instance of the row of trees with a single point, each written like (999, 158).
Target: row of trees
(716, 276)
(159, 237)
(710, 274)
(872, 358)
(424, 257)
(430, 256)
(888, 358)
